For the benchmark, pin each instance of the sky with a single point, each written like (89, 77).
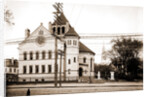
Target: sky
(84, 17)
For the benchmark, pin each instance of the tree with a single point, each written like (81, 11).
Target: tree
(125, 56)
(8, 16)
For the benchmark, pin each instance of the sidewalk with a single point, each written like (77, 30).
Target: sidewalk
(76, 85)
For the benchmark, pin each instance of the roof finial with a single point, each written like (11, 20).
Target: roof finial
(41, 23)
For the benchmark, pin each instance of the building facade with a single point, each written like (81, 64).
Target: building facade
(11, 70)
(37, 54)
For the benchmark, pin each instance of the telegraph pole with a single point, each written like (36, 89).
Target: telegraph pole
(64, 61)
(58, 7)
(60, 68)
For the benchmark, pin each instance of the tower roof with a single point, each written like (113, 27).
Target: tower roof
(72, 32)
(83, 48)
(61, 20)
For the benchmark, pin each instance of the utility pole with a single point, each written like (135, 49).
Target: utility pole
(60, 68)
(64, 61)
(58, 7)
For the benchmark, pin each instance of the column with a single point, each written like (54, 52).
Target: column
(99, 75)
(112, 75)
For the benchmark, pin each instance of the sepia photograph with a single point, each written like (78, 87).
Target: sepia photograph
(71, 47)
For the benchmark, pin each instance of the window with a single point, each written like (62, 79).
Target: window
(54, 29)
(69, 61)
(63, 30)
(24, 69)
(37, 69)
(91, 64)
(10, 70)
(24, 80)
(31, 55)
(75, 59)
(36, 80)
(84, 60)
(69, 71)
(14, 69)
(43, 55)
(25, 56)
(49, 68)
(85, 71)
(74, 42)
(49, 54)
(43, 68)
(30, 69)
(58, 30)
(42, 80)
(69, 42)
(37, 55)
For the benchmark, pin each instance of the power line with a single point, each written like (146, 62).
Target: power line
(111, 36)
(79, 14)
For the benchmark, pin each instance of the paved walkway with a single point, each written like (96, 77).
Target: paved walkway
(51, 85)
(48, 89)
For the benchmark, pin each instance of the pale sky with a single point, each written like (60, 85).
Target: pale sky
(85, 18)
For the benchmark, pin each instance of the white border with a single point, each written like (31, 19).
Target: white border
(139, 3)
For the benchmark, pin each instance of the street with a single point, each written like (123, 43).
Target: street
(47, 89)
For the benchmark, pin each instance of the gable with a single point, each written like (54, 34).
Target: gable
(40, 31)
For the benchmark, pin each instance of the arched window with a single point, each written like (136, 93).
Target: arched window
(63, 30)
(91, 62)
(54, 29)
(49, 55)
(75, 59)
(24, 69)
(31, 56)
(30, 69)
(43, 55)
(37, 55)
(84, 60)
(25, 56)
(58, 30)
(43, 68)
(69, 61)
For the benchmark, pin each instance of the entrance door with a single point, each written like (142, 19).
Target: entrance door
(80, 72)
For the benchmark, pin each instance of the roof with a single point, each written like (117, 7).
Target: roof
(72, 32)
(61, 20)
(83, 48)
(11, 63)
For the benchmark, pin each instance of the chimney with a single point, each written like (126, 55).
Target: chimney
(67, 26)
(50, 27)
(27, 33)
(12, 60)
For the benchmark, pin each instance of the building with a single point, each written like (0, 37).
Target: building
(37, 54)
(11, 70)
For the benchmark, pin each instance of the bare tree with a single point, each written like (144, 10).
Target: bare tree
(8, 16)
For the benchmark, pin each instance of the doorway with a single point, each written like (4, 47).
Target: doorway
(80, 72)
